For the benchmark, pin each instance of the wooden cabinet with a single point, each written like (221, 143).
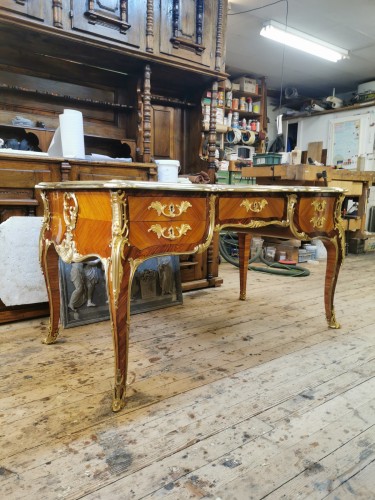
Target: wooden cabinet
(192, 31)
(189, 34)
(126, 65)
(19, 173)
(31, 9)
(113, 20)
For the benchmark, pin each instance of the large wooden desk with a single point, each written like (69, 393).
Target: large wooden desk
(126, 222)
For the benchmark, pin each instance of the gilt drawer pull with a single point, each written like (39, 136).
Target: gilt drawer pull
(254, 206)
(318, 220)
(171, 210)
(169, 232)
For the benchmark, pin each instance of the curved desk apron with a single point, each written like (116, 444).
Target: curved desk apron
(126, 222)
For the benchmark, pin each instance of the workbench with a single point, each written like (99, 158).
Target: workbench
(126, 222)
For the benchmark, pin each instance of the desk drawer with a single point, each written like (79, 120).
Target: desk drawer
(183, 234)
(167, 208)
(245, 208)
(314, 214)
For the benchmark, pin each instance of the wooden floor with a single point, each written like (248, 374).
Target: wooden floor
(226, 400)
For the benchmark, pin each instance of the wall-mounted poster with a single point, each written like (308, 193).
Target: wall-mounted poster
(156, 284)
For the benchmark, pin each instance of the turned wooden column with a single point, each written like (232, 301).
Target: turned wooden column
(212, 133)
(147, 115)
(150, 26)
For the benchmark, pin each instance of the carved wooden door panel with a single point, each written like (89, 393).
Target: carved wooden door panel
(189, 29)
(162, 123)
(167, 137)
(120, 20)
(31, 8)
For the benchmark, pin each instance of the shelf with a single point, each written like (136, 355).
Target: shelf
(65, 98)
(248, 114)
(245, 94)
(26, 127)
(188, 264)
(52, 130)
(305, 114)
(257, 115)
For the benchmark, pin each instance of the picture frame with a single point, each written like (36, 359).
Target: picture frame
(83, 292)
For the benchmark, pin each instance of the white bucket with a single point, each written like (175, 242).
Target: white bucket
(168, 170)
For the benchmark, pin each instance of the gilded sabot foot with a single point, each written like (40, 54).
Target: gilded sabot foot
(243, 296)
(332, 323)
(118, 402)
(51, 337)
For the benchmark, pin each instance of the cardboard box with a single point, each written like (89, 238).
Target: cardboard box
(247, 84)
(369, 245)
(356, 245)
(290, 251)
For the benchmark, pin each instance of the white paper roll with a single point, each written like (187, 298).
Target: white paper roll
(71, 131)
(316, 107)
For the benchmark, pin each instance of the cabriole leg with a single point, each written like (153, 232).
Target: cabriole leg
(119, 306)
(50, 267)
(334, 261)
(244, 240)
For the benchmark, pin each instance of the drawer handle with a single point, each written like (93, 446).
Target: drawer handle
(254, 206)
(170, 210)
(318, 220)
(169, 232)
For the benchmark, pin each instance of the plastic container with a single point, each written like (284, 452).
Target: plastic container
(312, 250)
(256, 107)
(267, 159)
(282, 256)
(256, 247)
(270, 253)
(168, 170)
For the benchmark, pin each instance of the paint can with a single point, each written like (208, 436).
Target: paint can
(168, 170)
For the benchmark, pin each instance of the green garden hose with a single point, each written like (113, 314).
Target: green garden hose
(271, 267)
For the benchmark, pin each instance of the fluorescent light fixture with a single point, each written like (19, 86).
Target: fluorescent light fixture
(298, 40)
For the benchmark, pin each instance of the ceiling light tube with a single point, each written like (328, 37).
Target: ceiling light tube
(298, 40)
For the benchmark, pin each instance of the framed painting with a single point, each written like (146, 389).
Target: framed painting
(156, 284)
